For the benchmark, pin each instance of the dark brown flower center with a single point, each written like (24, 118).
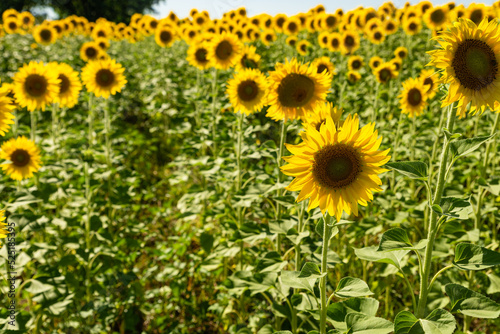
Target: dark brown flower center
(390, 26)
(292, 27)
(476, 16)
(475, 64)
(201, 55)
(64, 85)
(349, 41)
(322, 67)
(295, 90)
(437, 16)
(20, 157)
(414, 97)
(335, 43)
(35, 85)
(336, 166)
(91, 52)
(45, 34)
(412, 26)
(224, 50)
(384, 75)
(402, 54)
(105, 77)
(430, 82)
(331, 21)
(377, 36)
(356, 64)
(12, 25)
(165, 36)
(280, 22)
(248, 90)
(101, 33)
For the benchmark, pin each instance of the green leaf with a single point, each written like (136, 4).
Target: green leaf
(413, 169)
(370, 254)
(438, 322)
(319, 229)
(337, 312)
(310, 269)
(352, 287)
(465, 146)
(494, 284)
(455, 207)
(397, 239)
(207, 241)
(472, 257)
(471, 303)
(359, 323)
(291, 279)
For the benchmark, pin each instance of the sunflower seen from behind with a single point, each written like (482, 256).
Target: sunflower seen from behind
(295, 89)
(468, 60)
(224, 51)
(337, 169)
(22, 158)
(104, 77)
(247, 91)
(35, 86)
(413, 98)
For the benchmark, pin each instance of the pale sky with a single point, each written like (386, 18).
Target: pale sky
(290, 7)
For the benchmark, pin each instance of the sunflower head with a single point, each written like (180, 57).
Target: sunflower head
(375, 62)
(353, 76)
(302, 47)
(324, 64)
(22, 158)
(430, 79)
(319, 116)
(412, 26)
(401, 52)
(349, 42)
(468, 58)
(413, 98)
(385, 72)
(336, 168)
(224, 50)
(69, 85)
(104, 77)
(355, 63)
(247, 91)
(296, 89)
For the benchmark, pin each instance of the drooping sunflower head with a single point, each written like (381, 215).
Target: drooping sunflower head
(22, 158)
(324, 64)
(337, 169)
(385, 72)
(375, 62)
(430, 79)
(401, 52)
(355, 63)
(302, 47)
(469, 57)
(295, 89)
(224, 50)
(35, 86)
(413, 98)
(104, 77)
(69, 86)
(247, 91)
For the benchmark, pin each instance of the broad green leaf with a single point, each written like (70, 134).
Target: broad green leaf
(494, 284)
(337, 312)
(371, 254)
(397, 239)
(291, 279)
(438, 322)
(455, 207)
(412, 169)
(271, 262)
(310, 269)
(206, 241)
(465, 146)
(471, 303)
(319, 229)
(359, 323)
(352, 287)
(472, 257)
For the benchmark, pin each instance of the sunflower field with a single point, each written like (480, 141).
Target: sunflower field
(329, 172)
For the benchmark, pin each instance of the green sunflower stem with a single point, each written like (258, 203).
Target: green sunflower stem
(33, 116)
(239, 180)
(214, 112)
(107, 133)
(16, 123)
(412, 153)
(433, 226)
(91, 120)
(278, 192)
(324, 271)
(486, 162)
(55, 110)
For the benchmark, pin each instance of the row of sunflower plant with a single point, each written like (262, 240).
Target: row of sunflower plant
(144, 205)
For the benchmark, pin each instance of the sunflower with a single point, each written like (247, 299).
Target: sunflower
(385, 72)
(103, 43)
(249, 59)
(319, 116)
(337, 169)
(9, 13)
(23, 158)
(295, 89)
(323, 64)
(401, 52)
(268, 36)
(353, 76)
(90, 51)
(279, 22)
(330, 21)
(476, 13)
(375, 62)
(224, 50)
(11, 25)
(247, 91)
(412, 26)
(469, 60)
(355, 63)
(349, 42)
(27, 20)
(35, 85)
(429, 79)
(292, 41)
(390, 26)
(165, 36)
(104, 77)
(334, 41)
(437, 17)
(413, 98)
(6, 116)
(397, 63)
(292, 26)
(302, 47)
(45, 34)
(69, 87)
